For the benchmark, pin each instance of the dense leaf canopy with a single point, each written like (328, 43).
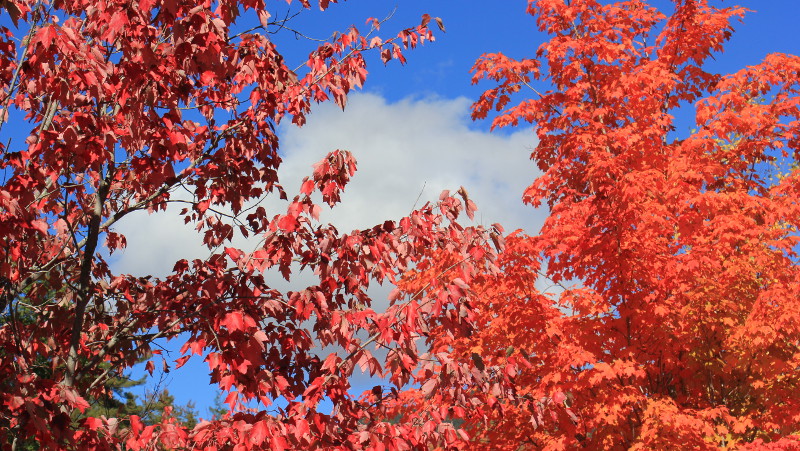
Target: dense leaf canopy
(657, 307)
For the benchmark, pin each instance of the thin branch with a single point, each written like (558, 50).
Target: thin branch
(22, 56)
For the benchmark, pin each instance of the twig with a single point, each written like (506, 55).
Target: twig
(23, 54)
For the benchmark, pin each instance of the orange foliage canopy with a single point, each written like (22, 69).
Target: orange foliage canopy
(676, 315)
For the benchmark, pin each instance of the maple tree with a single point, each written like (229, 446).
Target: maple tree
(674, 322)
(109, 108)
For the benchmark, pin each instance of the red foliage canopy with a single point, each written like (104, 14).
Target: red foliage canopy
(128, 102)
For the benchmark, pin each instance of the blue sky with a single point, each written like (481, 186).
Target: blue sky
(476, 27)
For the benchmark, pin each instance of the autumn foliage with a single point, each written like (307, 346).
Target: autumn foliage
(114, 107)
(658, 307)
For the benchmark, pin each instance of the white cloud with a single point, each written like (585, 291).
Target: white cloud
(403, 149)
